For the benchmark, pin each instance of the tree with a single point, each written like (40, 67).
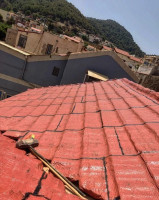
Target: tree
(51, 27)
(59, 30)
(27, 12)
(15, 10)
(75, 31)
(3, 30)
(63, 11)
(11, 21)
(1, 18)
(85, 38)
(96, 41)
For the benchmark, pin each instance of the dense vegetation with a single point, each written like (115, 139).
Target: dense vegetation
(52, 11)
(117, 34)
(58, 10)
(3, 28)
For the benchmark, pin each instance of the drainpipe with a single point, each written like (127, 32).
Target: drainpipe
(24, 67)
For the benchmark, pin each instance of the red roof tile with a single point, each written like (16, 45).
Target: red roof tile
(125, 53)
(136, 59)
(107, 48)
(22, 177)
(35, 29)
(77, 40)
(104, 135)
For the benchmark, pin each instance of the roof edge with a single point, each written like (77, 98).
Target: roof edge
(145, 91)
(117, 59)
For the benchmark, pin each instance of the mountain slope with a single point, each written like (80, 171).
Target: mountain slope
(51, 11)
(58, 10)
(117, 34)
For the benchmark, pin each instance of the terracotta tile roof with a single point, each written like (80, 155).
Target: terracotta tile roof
(91, 47)
(136, 59)
(35, 29)
(104, 135)
(107, 48)
(77, 40)
(125, 53)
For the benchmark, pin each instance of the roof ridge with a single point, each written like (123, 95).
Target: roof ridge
(73, 84)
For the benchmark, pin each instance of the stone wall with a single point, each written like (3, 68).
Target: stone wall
(149, 81)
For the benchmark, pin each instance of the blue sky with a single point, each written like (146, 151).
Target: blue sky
(139, 17)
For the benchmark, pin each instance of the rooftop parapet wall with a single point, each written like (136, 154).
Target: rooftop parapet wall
(31, 68)
(148, 70)
(72, 68)
(106, 63)
(13, 51)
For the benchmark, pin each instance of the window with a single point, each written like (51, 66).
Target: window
(8, 95)
(22, 41)
(56, 71)
(146, 63)
(3, 95)
(49, 49)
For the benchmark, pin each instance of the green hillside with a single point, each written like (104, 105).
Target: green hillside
(52, 11)
(117, 34)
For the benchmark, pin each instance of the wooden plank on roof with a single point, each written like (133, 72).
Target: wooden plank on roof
(97, 75)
